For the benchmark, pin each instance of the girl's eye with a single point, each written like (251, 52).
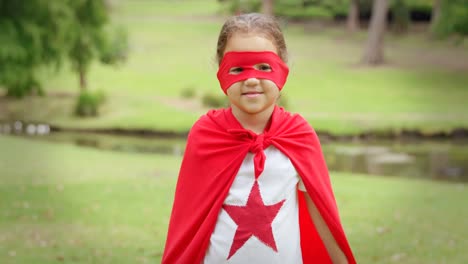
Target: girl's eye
(235, 70)
(264, 67)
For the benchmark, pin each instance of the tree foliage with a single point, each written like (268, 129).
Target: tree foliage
(92, 39)
(33, 35)
(293, 9)
(453, 18)
(328, 9)
(90, 17)
(401, 16)
(45, 32)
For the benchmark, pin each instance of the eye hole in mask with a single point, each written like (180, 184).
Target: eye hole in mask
(264, 67)
(235, 70)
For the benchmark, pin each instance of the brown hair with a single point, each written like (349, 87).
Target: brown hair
(248, 23)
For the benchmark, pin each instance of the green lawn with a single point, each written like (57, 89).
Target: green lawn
(65, 204)
(62, 203)
(172, 48)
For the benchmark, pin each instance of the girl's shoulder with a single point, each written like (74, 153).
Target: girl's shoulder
(292, 117)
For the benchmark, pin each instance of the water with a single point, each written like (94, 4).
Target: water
(446, 160)
(438, 160)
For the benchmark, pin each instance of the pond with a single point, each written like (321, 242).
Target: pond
(432, 159)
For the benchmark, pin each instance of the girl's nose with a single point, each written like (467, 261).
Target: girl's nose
(252, 81)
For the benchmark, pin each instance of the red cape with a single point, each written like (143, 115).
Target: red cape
(216, 147)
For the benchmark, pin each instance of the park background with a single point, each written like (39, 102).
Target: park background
(89, 160)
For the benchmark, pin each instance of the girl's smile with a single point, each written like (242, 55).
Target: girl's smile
(252, 94)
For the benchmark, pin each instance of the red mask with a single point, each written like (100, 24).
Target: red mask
(245, 62)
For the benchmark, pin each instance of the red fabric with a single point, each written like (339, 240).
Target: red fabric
(216, 147)
(246, 61)
(253, 219)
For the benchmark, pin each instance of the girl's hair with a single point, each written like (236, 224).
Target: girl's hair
(252, 23)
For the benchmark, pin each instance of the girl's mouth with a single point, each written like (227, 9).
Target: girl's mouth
(252, 94)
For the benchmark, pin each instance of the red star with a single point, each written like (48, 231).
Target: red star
(253, 219)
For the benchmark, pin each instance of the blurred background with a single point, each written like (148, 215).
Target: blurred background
(97, 97)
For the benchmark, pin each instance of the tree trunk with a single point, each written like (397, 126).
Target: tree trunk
(435, 13)
(353, 16)
(267, 7)
(373, 52)
(83, 83)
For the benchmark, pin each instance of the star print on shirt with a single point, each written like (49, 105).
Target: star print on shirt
(253, 219)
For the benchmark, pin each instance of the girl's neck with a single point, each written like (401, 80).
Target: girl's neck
(254, 122)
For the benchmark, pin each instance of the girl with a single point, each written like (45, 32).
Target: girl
(253, 185)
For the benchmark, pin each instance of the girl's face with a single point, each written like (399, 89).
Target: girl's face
(252, 96)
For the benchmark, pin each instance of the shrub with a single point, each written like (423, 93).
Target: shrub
(453, 19)
(306, 13)
(88, 103)
(214, 100)
(241, 6)
(188, 92)
(400, 18)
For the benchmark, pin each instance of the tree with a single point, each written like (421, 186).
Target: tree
(435, 13)
(401, 16)
(41, 33)
(32, 35)
(92, 40)
(88, 35)
(267, 7)
(353, 16)
(374, 48)
(452, 19)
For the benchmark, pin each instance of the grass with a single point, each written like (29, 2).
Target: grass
(172, 47)
(69, 203)
(63, 203)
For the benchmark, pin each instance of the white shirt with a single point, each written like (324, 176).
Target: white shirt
(277, 186)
